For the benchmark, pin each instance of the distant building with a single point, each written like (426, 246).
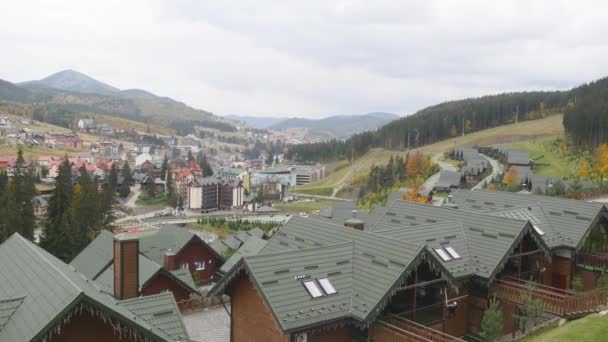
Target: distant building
(214, 193)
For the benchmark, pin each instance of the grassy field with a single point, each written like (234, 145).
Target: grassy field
(590, 328)
(549, 127)
(156, 200)
(222, 233)
(319, 191)
(303, 206)
(549, 159)
(122, 123)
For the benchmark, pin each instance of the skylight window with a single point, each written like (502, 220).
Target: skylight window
(453, 252)
(443, 254)
(313, 290)
(328, 288)
(538, 230)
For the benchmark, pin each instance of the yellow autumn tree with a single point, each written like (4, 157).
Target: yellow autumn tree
(584, 170)
(415, 164)
(601, 158)
(412, 196)
(491, 186)
(511, 177)
(453, 131)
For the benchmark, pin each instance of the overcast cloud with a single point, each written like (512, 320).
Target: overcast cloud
(309, 58)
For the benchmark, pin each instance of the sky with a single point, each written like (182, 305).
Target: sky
(309, 58)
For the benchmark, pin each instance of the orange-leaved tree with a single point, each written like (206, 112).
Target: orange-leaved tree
(511, 176)
(412, 196)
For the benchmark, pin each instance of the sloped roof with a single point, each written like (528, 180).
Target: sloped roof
(167, 238)
(96, 256)
(147, 269)
(342, 211)
(161, 311)
(96, 263)
(517, 157)
(570, 219)
(448, 179)
(365, 269)
(50, 289)
(487, 239)
(252, 247)
(7, 309)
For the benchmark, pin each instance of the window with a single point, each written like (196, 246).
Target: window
(538, 230)
(313, 290)
(328, 288)
(453, 252)
(443, 254)
(200, 265)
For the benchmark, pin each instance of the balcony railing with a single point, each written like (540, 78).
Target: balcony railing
(556, 301)
(398, 329)
(593, 261)
(420, 330)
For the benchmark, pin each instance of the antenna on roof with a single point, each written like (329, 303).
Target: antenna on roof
(354, 211)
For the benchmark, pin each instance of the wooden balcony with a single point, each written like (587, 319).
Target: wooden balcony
(398, 329)
(556, 301)
(592, 261)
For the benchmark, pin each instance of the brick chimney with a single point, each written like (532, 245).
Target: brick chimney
(169, 261)
(126, 266)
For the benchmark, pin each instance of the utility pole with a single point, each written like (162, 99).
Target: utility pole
(516, 114)
(463, 126)
(408, 140)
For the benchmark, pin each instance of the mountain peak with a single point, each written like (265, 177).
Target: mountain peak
(72, 80)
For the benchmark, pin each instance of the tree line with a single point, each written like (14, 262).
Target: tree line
(16, 197)
(437, 123)
(586, 117)
(77, 211)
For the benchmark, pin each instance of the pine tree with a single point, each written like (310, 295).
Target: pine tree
(190, 156)
(492, 323)
(56, 238)
(170, 190)
(165, 166)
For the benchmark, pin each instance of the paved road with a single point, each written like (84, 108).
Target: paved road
(135, 192)
(333, 198)
(497, 168)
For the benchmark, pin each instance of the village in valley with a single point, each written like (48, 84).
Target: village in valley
(336, 172)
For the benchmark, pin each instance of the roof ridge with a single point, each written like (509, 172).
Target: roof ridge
(27, 243)
(291, 251)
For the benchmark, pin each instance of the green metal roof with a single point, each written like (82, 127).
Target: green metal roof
(147, 270)
(95, 262)
(365, 269)
(567, 221)
(8, 308)
(50, 290)
(485, 240)
(167, 238)
(96, 256)
(252, 247)
(159, 311)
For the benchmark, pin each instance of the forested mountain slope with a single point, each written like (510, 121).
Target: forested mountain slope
(585, 122)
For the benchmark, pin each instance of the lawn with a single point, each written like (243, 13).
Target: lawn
(159, 199)
(303, 206)
(548, 158)
(222, 233)
(590, 328)
(320, 191)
